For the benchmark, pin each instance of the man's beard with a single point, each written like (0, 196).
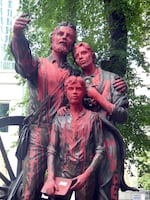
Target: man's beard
(61, 49)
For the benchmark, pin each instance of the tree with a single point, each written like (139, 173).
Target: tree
(117, 30)
(144, 175)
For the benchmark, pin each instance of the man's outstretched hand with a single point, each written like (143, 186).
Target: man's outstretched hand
(20, 24)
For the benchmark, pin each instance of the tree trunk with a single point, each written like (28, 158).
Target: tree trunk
(118, 39)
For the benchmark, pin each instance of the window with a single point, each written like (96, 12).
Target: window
(9, 12)
(10, 4)
(4, 109)
(9, 22)
(1, 11)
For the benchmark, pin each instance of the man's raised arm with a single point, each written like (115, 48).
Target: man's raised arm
(25, 64)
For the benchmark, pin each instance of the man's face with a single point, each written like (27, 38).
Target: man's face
(63, 39)
(83, 57)
(75, 93)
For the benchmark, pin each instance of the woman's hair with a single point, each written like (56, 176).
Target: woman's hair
(86, 46)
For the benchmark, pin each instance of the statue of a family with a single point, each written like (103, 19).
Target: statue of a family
(74, 135)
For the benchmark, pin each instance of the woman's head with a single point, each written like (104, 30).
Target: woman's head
(84, 46)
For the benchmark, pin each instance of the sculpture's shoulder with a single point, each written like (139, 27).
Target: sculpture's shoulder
(108, 75)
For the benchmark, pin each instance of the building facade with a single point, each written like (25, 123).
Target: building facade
(10, 92)
(8, 10)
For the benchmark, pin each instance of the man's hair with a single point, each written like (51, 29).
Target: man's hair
(70, 25)
(86, 46)
(74, 79)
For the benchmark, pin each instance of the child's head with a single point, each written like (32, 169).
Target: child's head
(75, 89)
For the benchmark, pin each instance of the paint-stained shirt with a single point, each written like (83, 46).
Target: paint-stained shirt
(45, 78)
(103, 81)
(74, 143)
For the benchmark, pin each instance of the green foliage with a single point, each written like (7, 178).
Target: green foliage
(144, 175)
(144, 181)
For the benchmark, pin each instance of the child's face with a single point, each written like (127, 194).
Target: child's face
(75, 93)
